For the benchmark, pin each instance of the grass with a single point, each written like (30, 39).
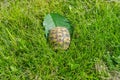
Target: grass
(94, 52)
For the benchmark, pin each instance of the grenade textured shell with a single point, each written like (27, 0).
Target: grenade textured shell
(59, 38)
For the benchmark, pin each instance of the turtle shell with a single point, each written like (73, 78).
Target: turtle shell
(59, 38)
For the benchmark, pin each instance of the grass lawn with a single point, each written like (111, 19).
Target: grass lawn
(94, 52)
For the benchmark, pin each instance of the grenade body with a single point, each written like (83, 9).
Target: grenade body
(59, 38)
